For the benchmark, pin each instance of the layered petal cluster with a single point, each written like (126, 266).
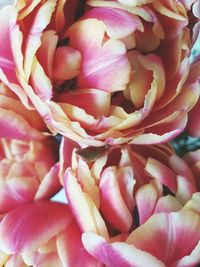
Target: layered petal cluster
(132, 202)
(125, 81)
(116, 79)
(41, 234)
(16, 121)
(28, 171)
(193, 122)
(165, 240)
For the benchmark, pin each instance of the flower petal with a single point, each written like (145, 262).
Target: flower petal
(15, 126)
(83, 208)
(162, 173)
(102, 62)
(190, 260)
(163, 235)
(146, 198)
(31, 225)
(119, 23)
(112, 204)
(67, 63)
(118, 254)
(71, 250)
(50, 184)
(41, 20)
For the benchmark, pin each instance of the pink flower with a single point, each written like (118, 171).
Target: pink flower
(122, 181)
(171, 239)
(89, 85)
(43, 233)
(134, 204)
(193, 127)
(28, 171)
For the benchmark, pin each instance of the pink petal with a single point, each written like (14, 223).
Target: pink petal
(46, 51)
(33, 42)
(50, 259)
(40, 82)
(60, 16)
(29, 226)
(82, 206)
(25, 8)
(87, 182)
(190, 260)
(102, 62)
(15, 126)
(134, 2)
(7, 23)
(119, 23)
(181, 168)
(15, 105)
(14, 261)
(193, 125)
(65, 155)
(67, 63)
(192, 157)
(71, 250)
(185, 189)
(126, 183)
(152, 68)
(163, 235)
(153, 138)
(161, 172)
(112, 204)
(16, 191)
(193, 203)
(118, 254)
(50, 184)
(146, 198)
(167, 204)
(99, 101)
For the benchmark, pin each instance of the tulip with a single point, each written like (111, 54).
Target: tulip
(164, 240)
(43, 233)
(28, 171)
(193, 122)
(136, 205)
(123, 181)
(90, 87)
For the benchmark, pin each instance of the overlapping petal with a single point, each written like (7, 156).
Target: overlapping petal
(25, 172)
(117, 254)
(27, 241)
(21, 231)
(57, 76)
(118, 181)
(169, 232)
(102, 59)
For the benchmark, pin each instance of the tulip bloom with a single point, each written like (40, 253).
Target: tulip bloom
(193, 122)
(170, 240)
(136, 203)
(91, 87)
(124, 181)
(43, 233)
(28, 171)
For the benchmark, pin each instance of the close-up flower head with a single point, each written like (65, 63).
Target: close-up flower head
(99, 133)
(109, 73)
